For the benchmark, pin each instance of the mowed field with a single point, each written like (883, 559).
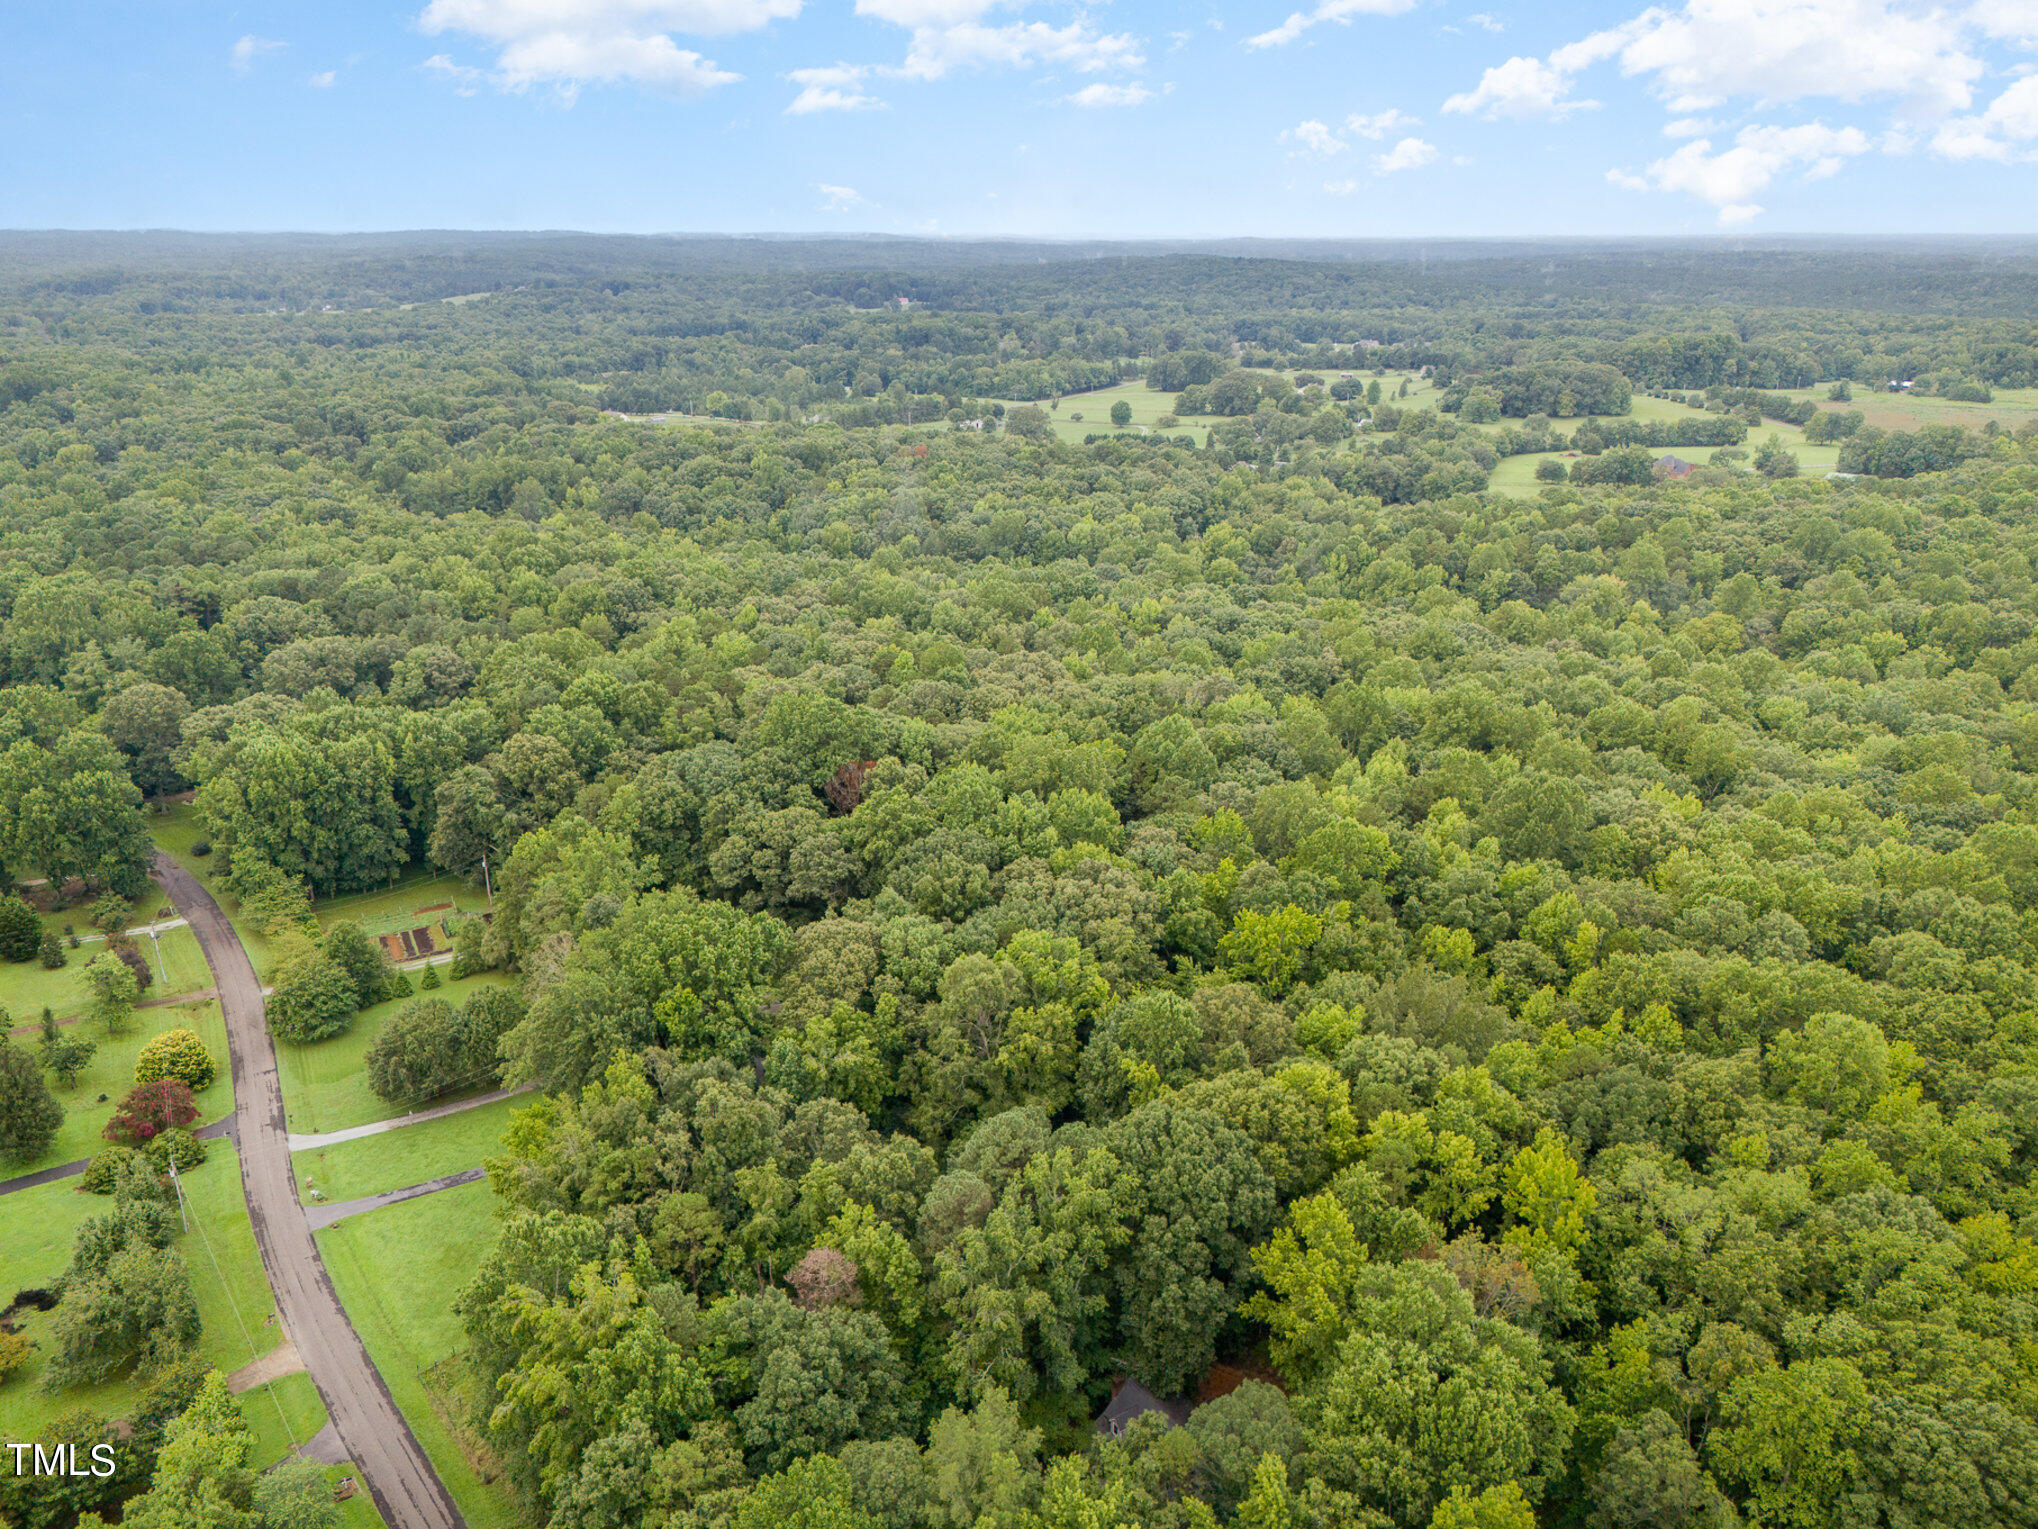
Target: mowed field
(2011, 408)
(1094, 410)
(325, 1083)
(415, 1154)
(396, 1271)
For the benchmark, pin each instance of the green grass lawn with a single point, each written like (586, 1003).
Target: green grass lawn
(325, 1087)
(396, 1271)
(1148, 405)
(2011, 407)
(111, 1072)
(27, 987)
(234, 1303)
(413, 901)
(282, 1414)
(372, 1165)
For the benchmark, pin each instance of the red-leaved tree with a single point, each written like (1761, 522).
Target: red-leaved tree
(149, 1109)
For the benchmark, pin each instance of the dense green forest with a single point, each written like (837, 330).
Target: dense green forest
(1498, 1011)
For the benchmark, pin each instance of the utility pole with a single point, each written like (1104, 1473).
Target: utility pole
(179, 1182)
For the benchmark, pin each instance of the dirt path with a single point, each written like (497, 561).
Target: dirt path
(377, 1127)
(394, 1468)
(319, 1217)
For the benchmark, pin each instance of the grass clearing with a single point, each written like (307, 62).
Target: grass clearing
(234, 1302)
(373, 1165)
(27, 987)
(2010, 408)
(1147, 405)
(111, 1073)
(414, 901)
(395, 1270)
(325, 1084)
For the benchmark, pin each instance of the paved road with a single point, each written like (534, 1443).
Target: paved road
(395, 1470)
(397, 1123)
(212, 1132)
(319, 1217)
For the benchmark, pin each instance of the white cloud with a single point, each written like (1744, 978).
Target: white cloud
(1689, 127)
(924, 13)
(815, 98)
(464, 78)
(1312, 137)
(571, 43)
(952, 35)
(1702, 52)
(1340, 188)
(1487, 22)
(322, 80)
(1380, 123)
(249, 48)
(1339, 11)
(2004, 132)
(840, 198)
(2015, 20)
(835, 87)
(1731, 179)
(1521, 87)
(1408, 154)
(936, 51)
(1101, 94)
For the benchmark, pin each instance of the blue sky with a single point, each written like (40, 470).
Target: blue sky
(1134, 118)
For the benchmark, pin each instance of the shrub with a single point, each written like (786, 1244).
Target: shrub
(430, 978)
(20, 930)
(314, 999)
(15, 1351)
(176, 1054)
(362, 960)
(399, 984)
(108, 913)
(149, 1109)
(102, 1174)
(201, 849)
(175, 1148)
(51, 952)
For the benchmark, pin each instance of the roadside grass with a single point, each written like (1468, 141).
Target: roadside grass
(27, 987)
(234, 1302)
(415, 1154)
(282, 1414)
(286, 1412)
(111, 1073)
(409, 903)
(395, 1271)
(325, 1083)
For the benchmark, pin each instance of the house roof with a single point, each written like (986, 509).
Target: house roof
(1131, 1401)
